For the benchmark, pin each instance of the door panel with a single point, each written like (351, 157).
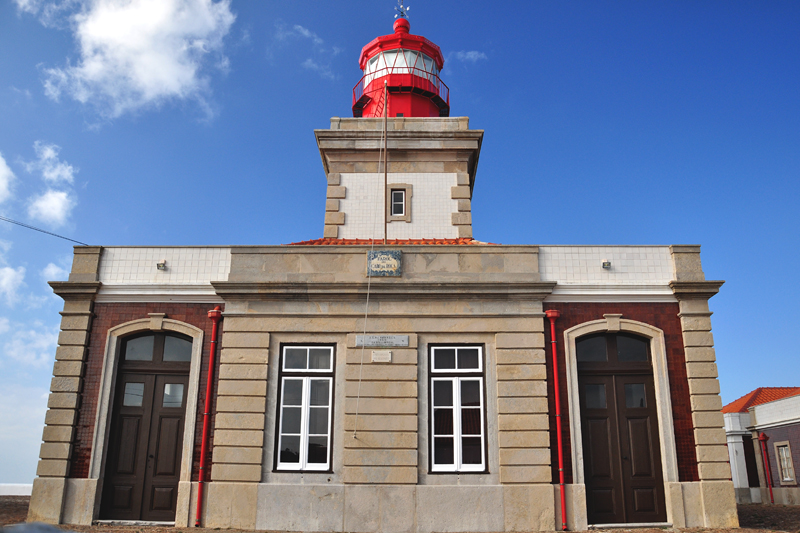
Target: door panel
(604, 488)
(143, 471)
(166, 436)
(127, 451)
(622, 456)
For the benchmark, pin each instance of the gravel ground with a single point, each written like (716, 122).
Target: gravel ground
(753, 519)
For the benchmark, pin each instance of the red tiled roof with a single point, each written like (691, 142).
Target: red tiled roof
(393, 242)
(759, 396)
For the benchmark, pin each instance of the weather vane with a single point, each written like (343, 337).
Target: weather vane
(402, 11)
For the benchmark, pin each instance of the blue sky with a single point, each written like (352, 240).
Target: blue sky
(189, 122)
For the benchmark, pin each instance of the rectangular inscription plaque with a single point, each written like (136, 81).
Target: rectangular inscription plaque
(381, 340)
(385, 263)
(381, 356)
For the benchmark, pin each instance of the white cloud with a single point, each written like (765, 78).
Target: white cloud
(135, 54)
(53, 272)
(52, 207)
(323, 70)
(320, 62)
(284, 32)
(473, 56)
(5, 325)
(53, 170)
(49, 12)
(6, 179)
(31, 346)
(11, 279)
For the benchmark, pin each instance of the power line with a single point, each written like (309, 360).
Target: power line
(41, 230)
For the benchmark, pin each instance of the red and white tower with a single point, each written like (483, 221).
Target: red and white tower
(410, 66)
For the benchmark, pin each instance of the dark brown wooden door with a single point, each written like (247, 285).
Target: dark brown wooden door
(144, 454)
(622, 455)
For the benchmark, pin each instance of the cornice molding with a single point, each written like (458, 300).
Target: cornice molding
(76, 290)
(303, 291)
(695, 290)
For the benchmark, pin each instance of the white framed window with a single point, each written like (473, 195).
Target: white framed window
(305, 409)
(398, 202)
(457, 412)
(785, 464)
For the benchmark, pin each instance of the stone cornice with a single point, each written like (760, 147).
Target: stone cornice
(76, 290)
(695, 290)
(304, 291)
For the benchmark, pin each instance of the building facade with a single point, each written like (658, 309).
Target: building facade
(763, 431)
(394, 375)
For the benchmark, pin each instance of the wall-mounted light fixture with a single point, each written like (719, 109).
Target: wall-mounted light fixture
(162, 265)
(606, 264)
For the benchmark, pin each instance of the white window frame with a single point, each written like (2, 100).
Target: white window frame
(402, 202)
(456, 377)
(779, 459)
(306, 376)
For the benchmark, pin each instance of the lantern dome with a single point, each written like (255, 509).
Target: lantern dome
(408, 66)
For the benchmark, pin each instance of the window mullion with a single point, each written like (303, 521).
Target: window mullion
(457, 422)
(304, 423)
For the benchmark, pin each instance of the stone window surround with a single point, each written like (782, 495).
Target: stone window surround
(479, 373)
(613, 323)
(791, 482)
(283, 374)
(156, 323)
(409, 189)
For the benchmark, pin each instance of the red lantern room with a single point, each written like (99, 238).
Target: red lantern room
(410, 66)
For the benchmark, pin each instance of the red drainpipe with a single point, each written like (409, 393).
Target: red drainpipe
(553, 315)
(215, 315)
(763, 440)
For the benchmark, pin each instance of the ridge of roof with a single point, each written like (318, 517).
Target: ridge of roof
(759, 396)
(328, 241)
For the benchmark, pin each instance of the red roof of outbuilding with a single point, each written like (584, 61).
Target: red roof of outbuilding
(759, 396)
(392, 242)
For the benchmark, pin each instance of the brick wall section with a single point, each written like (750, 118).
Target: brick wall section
(522, 407)
(385, 450)
(661, 315)
(108, 315)
(241, 401)
(787, 433)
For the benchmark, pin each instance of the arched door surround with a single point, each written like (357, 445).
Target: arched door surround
(157, 323)
(614, 323)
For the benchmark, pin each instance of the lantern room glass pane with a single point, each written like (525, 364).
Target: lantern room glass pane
(140, 349)
(176, 349)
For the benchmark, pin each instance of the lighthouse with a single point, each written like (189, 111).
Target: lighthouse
(401, 76)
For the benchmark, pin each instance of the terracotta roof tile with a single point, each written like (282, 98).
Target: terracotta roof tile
(393, 242)
(759, 396)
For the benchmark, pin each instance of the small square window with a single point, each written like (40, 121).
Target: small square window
(398, 202)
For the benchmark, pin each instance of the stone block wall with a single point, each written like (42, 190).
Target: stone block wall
(380, 443)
